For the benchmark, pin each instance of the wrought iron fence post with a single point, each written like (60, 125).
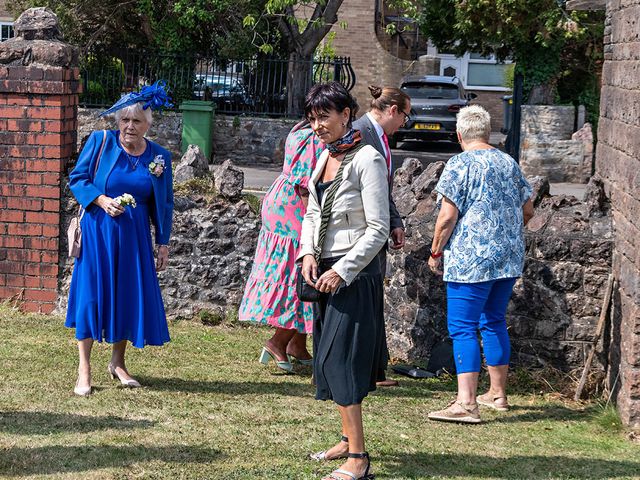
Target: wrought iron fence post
(513, 140)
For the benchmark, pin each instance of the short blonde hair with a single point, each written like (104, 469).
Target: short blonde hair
(135, 110)
(473, 123)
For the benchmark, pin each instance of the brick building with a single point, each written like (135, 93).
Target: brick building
(378, 61)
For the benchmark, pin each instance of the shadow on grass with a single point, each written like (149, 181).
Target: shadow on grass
(289, 389)
(423, 465)
(546, 412)
(16, 462)
(46, 423)
(174, 384)
(417, 388)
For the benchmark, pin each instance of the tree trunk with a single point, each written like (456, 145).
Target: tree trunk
(299, 81)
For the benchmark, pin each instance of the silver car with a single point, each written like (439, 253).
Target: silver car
(435, 101)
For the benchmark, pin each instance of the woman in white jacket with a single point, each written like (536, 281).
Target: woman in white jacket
(348, 331)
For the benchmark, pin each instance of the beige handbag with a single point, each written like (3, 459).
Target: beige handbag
(74, 232)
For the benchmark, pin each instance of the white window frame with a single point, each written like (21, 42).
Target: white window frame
(4, 23)
(485, 61)
(465, 60)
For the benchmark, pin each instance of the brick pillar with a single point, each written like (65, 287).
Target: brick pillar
(618, 162)
(38, 106)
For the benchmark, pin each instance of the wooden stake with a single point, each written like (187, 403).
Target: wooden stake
(599, 329)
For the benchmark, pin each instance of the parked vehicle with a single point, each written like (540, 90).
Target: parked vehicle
(226, 90)
(435, 101)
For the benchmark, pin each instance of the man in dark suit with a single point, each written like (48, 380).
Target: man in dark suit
(390, 109)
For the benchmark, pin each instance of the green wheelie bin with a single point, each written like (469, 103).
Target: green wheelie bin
(197, 125)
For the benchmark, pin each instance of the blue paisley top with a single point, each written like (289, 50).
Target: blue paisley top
(489, 191)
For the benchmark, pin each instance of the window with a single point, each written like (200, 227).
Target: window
(431, 90)
(485, 71)
(486, 74)
(6, 31)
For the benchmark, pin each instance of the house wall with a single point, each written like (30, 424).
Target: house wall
(618, 162)
(374, 65)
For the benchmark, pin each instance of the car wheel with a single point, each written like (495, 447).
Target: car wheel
(393, 141)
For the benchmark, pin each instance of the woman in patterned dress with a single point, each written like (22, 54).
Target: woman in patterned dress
(270, 294)
(480, 234)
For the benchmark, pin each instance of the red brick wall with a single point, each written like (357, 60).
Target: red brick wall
(492, 102)
(618, 162)
(37, 137)
(372, 64)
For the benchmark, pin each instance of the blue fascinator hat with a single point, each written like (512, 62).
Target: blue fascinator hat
(153, 96)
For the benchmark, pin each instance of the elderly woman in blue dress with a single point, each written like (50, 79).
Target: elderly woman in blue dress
(123, 183)
(479, 239)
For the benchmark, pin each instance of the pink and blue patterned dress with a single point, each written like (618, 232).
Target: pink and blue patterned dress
(270, 294)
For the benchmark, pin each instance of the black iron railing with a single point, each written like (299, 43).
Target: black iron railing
(254, 87)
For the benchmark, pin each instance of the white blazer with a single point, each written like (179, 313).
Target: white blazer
(359, 224)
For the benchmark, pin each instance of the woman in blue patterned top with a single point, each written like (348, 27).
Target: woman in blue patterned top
(479, 234)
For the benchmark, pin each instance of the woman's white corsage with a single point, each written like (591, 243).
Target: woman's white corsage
(157, 166)
(126, 199)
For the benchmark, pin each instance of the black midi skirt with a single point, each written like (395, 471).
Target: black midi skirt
(348, 338)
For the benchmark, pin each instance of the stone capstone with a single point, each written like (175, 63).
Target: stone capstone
(228, 180)
(192, 165)
(37, 42)
(38, 23)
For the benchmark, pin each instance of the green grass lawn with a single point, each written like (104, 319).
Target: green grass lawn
(210, 411)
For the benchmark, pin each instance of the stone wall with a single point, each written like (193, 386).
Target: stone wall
(244, 140)
(552, 315)
(618, 162)
(211, 252)
(166, 128)
(250, 140)
(555, 306)
(547, 146)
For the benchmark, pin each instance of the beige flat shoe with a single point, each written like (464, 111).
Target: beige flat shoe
(491, 401)
(457, 412)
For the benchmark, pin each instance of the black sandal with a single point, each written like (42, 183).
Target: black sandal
(365, 476)
(322, 456)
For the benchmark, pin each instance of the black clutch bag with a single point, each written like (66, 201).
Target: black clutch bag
(305, 292)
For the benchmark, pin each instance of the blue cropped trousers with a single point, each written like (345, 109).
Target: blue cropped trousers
(479, 306)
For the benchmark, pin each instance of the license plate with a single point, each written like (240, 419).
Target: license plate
(427, 126)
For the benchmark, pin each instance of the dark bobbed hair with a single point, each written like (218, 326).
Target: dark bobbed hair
(324, 97)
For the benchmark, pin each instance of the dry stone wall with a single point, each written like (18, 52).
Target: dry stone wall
(555, 305)
(554, 308)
